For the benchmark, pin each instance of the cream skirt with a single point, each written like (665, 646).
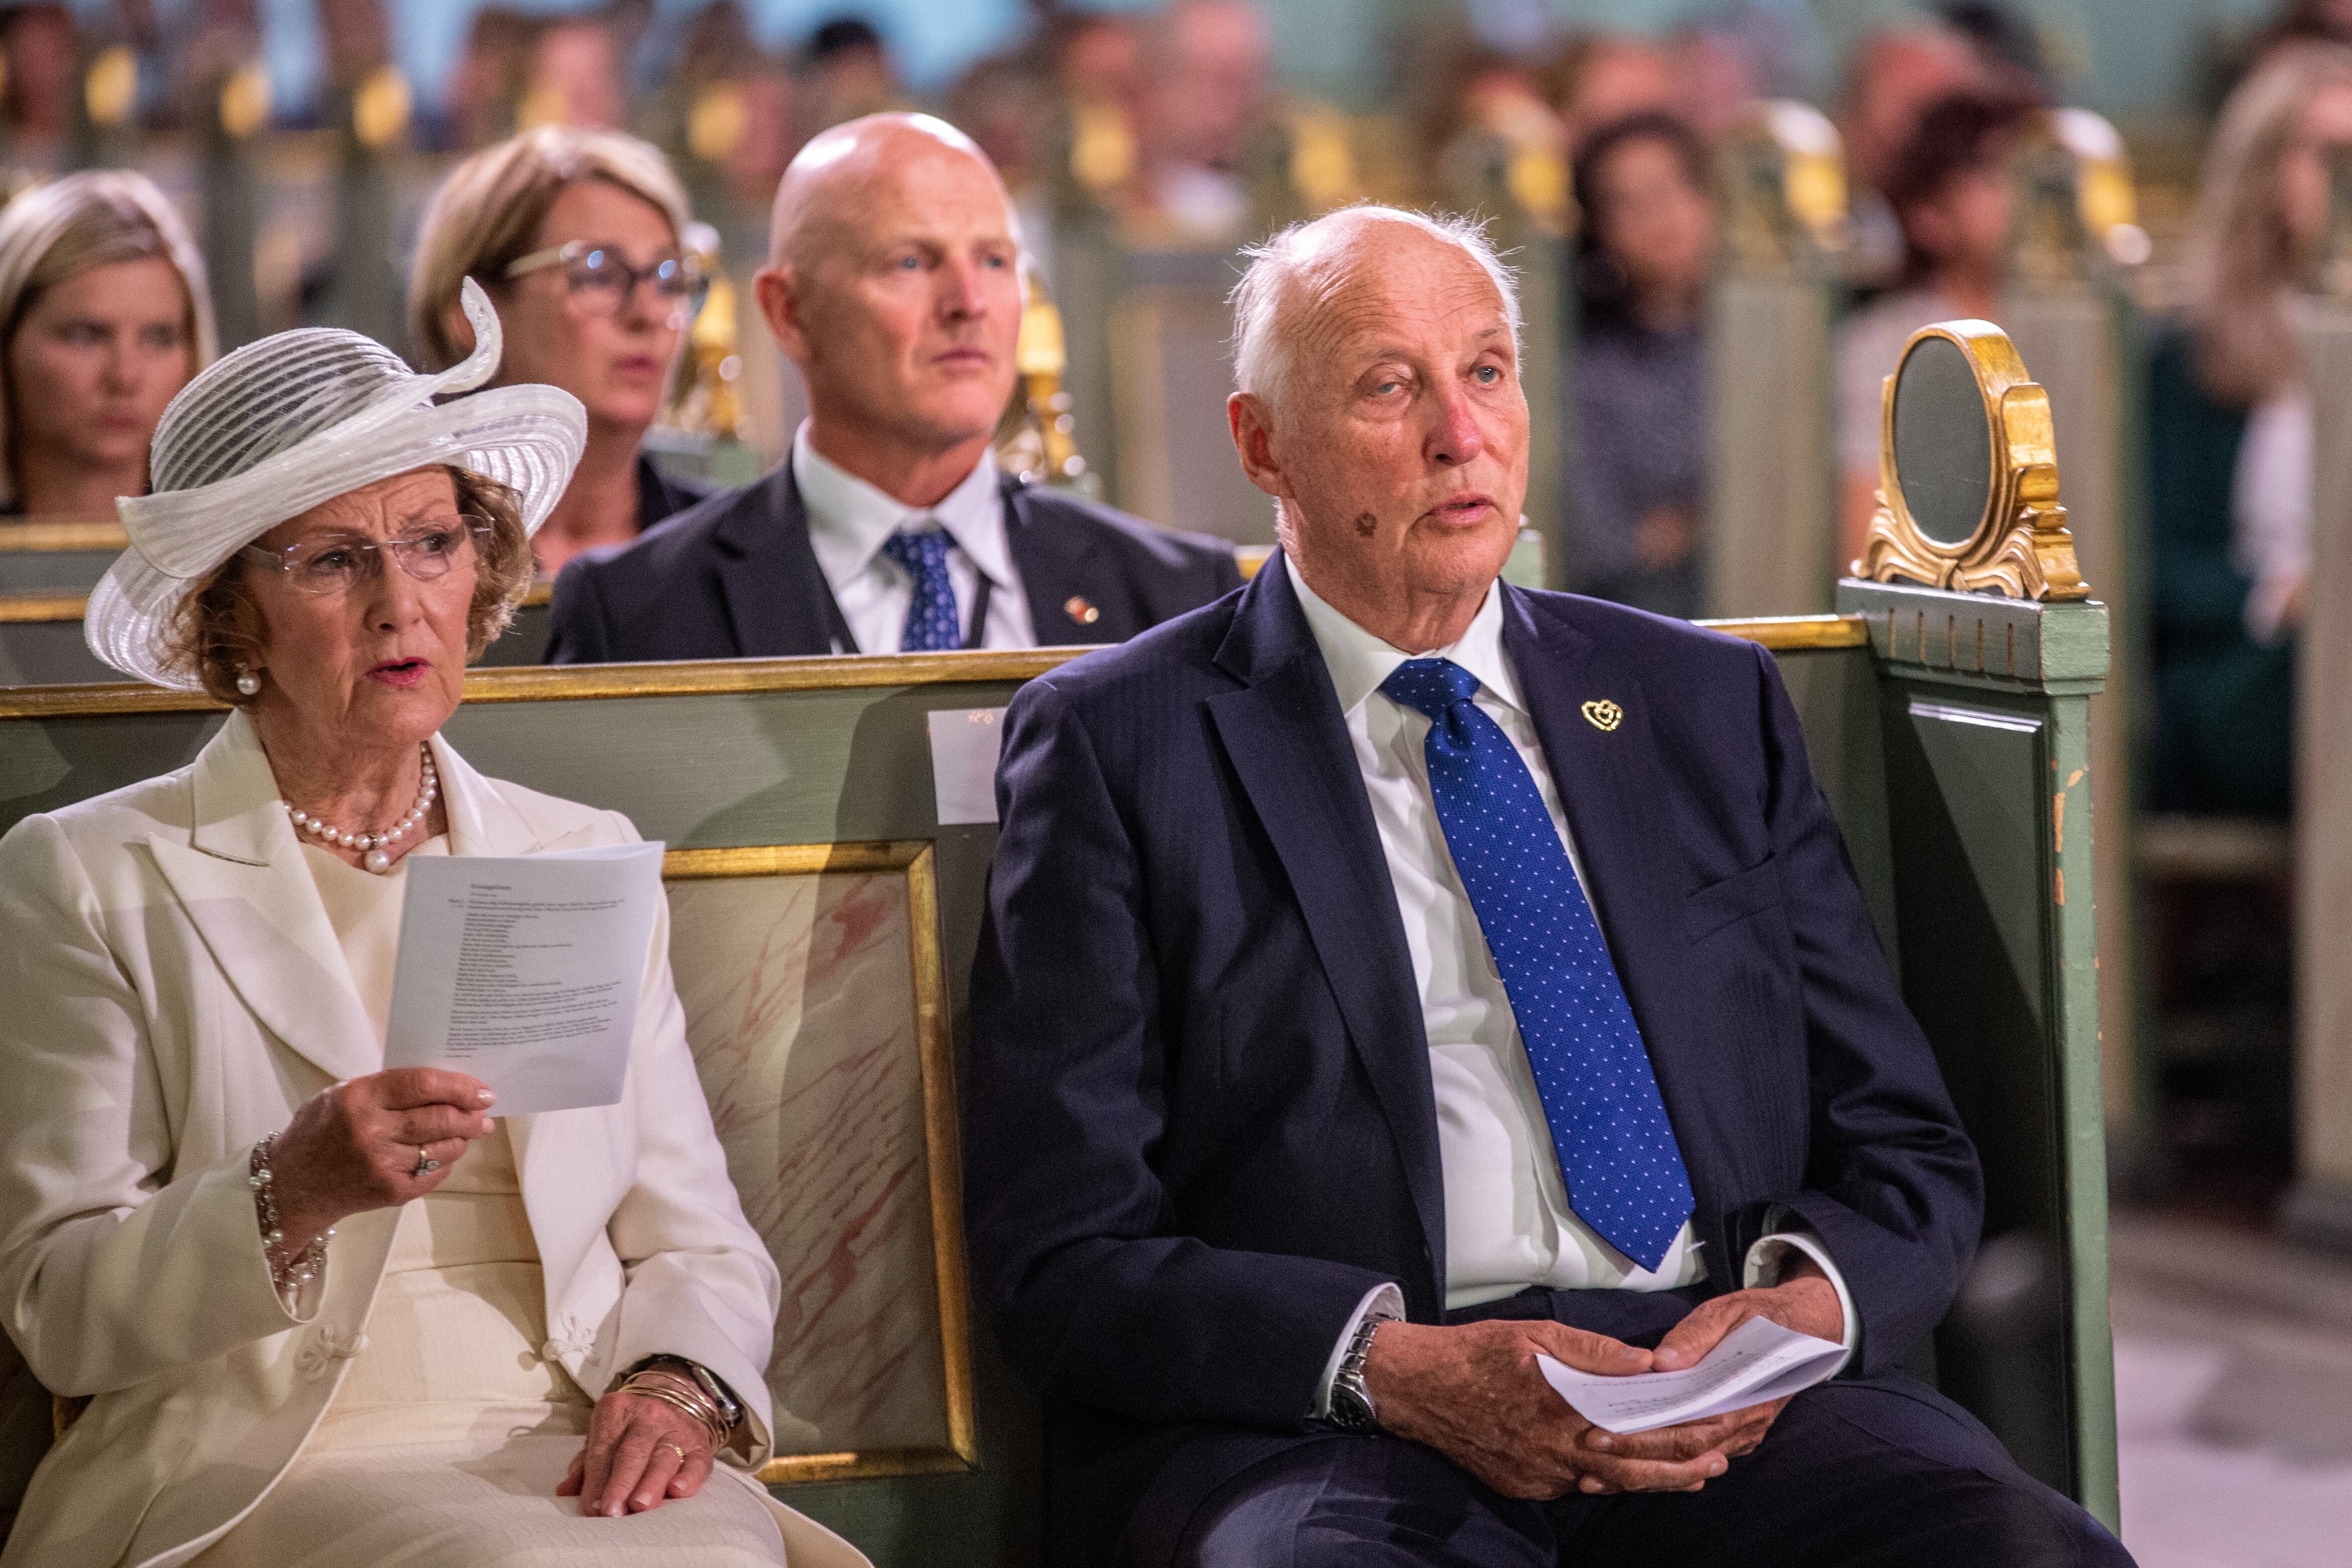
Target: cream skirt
(443, 1446)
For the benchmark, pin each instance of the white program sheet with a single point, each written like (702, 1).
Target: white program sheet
(524, 971)
(1754, 1364)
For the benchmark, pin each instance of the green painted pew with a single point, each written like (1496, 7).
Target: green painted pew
(1952, 783)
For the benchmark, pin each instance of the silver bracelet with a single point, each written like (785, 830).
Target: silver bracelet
(289, 1274)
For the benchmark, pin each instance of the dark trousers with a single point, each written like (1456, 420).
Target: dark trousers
(1854, 1474)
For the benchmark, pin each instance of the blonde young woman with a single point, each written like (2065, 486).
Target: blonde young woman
(2230, 444)
(103, 318)
(576, 236)
(327, 1315)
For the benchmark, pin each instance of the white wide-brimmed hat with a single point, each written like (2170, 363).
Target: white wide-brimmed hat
(296, 419)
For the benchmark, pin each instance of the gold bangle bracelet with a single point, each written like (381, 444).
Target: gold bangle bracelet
(670, 1397)
(691, 1391)
(701, 1414)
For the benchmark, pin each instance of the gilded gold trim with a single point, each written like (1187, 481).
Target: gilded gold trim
(943, 1156)
(1798, 634)
(52, 533)
(28, 609)
(548, 683)
(868, 1464)
(793, 859)
(573, 683)
(2020, 547)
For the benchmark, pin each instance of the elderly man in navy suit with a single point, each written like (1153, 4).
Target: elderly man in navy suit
(894, 282)
(1390, 975)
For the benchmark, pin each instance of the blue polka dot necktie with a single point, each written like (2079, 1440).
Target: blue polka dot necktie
(932, 618)
(1617, 1151)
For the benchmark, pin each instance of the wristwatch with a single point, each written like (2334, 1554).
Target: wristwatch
(1352, 1402)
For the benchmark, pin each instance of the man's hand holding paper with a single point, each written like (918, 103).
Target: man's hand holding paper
(1804, 1303)
(524, 971)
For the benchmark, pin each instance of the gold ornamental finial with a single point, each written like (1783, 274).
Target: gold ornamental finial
(708, 401)
(1780, 170)
(1039, 439)
(1968, 468)
(380, 108)
(111, 86)
(243, 100)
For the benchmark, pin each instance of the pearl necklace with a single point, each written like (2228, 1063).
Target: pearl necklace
(373, 845)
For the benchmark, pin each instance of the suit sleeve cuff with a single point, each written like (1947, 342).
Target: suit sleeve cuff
(1769, 1256)
(1383, 1300)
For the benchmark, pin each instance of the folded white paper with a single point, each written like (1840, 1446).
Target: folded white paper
(1755, 1363)
(964, 743)
(524, 971)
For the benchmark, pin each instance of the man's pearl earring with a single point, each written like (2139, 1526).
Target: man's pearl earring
(248, 683)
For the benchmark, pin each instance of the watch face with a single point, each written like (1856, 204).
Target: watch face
(1349, 1413)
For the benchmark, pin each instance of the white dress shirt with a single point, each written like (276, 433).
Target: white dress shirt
(850, 520)
(1509, 1224)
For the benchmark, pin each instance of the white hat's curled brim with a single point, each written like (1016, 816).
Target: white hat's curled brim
(527, 438)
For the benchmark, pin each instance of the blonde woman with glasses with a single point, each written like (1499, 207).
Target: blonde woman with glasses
(575, 233)
(103, 318)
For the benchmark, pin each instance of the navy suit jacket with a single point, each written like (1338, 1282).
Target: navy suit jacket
(735, 577)
(1200, 1119)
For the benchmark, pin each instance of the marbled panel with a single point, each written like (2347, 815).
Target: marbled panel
(799, 1003)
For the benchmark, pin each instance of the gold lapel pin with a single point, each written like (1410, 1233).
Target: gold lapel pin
(1604, 715)
(1080, 610)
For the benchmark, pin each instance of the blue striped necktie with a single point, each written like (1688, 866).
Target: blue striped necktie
(1616, 1149)
(933, 620)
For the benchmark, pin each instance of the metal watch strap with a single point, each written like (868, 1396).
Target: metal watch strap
(730, 1409)
(1351, 1400)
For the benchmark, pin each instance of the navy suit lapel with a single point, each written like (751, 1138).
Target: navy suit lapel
(776, 594)
(1611, 788)
(1053, 565)
(1288, 743)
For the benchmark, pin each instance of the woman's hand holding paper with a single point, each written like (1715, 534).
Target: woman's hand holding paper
(358, 1145)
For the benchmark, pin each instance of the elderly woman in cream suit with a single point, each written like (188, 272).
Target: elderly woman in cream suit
(322, 1312)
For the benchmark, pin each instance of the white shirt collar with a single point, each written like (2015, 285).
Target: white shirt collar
(1358, 661)
(849, 519)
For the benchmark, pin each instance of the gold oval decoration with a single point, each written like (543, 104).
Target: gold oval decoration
(2019, 545)
(1604, 715)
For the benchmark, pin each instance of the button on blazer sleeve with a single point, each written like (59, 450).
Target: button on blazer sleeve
(115, 1263)
(1095, 1302)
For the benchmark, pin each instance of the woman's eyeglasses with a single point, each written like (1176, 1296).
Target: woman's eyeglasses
(339, 564)
(602, 279)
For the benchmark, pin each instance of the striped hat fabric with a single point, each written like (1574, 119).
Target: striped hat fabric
(296, 419)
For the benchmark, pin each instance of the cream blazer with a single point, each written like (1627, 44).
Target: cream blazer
(174, 991)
